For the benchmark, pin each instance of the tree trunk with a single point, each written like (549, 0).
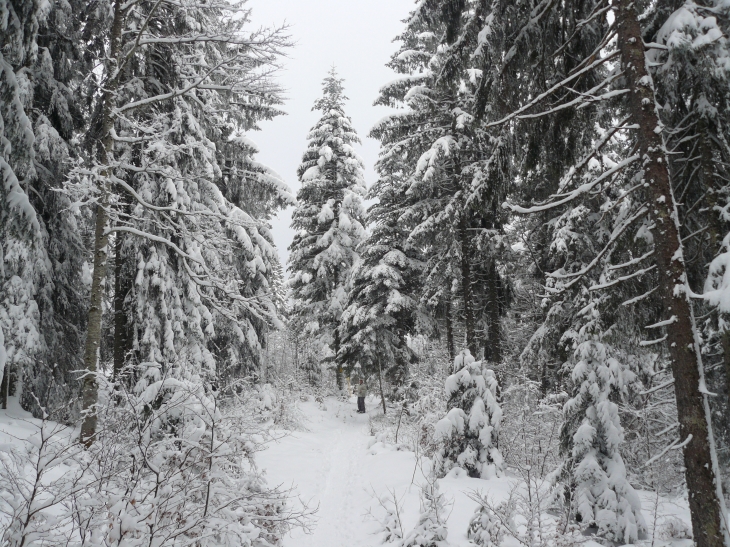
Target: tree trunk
(493, 348)
(338, 366)
(466, 286)
(682, 343)
(121, 328)
(89, 391)
(380, 382)
(5, 388)
(449, 329)
(717, 230)
(725, 339)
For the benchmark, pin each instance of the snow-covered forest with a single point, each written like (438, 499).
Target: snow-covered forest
(532, 299)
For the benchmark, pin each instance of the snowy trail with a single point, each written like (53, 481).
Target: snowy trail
(334, 470)
(328, 466)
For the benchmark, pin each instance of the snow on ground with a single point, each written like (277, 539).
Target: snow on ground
(336, 467)
(16, 424)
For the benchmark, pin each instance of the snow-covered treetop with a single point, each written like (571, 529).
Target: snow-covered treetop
(329, 215)
(333, 94)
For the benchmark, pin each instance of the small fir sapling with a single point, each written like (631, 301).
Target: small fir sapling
(602, 494)
(470, 431)
(485, 527)
(430, 531)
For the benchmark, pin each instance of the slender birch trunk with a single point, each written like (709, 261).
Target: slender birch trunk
(89, 393)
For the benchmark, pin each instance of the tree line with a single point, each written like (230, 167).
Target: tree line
(552, 197)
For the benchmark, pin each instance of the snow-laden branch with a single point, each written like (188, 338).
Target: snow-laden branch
(582, 189)
(614, 237)
(676, 445)
(551, 90)
(618, 280)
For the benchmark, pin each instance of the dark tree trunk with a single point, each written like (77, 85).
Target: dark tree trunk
(683, 349)
(5, 388)
(725, 339)
(466, 281)
(493, 347)
(449, 329)
(380, 382)
(121, 327)
(339, 373)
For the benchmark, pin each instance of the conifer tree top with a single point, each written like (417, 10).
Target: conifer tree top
(333, 93)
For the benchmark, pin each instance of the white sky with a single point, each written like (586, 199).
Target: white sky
(354, 35)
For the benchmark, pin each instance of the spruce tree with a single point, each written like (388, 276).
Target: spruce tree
(168, 108)
(42, 300)
(469, 434)
(600, 492)
(382, 305)
(437, 144)
(329, 221)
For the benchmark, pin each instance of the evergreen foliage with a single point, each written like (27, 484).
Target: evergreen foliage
(329, 221)
(592, 435)
(382, 308)
(469, 434)
(41, 289)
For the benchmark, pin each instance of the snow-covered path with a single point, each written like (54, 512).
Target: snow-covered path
(329, 468)
(338, 469)
(334, 469)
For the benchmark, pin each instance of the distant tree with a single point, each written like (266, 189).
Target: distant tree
(382, 306)
(329, 222)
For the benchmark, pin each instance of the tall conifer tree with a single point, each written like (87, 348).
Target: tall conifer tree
(329, 220)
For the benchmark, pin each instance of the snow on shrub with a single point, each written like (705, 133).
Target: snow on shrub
(485, 527)
(469, 433)
(430, 531)
(674, 528)
(170, 467)
(602, 494)
(390, 527)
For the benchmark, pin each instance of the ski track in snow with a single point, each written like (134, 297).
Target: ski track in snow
(333, 469)
(326, 465)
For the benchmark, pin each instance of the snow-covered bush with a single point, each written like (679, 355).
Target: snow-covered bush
(390, 527)
(168, 467)
(470, 431)
(267, 401)
(674, 528)
(430, 531)
(529, 432)
(36, 483)
(524, 516)
(602, 495)
(485, 527)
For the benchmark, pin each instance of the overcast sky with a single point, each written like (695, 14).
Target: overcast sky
(354, 35)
